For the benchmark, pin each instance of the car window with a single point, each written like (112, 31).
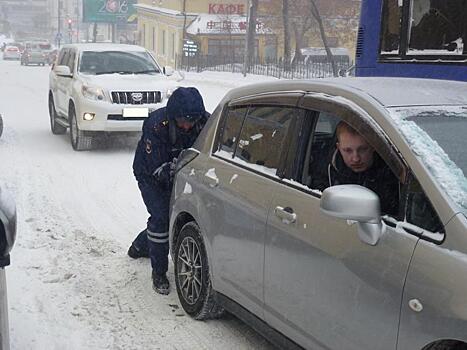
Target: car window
(319, 152)
(263, 138)
(71, 60)
(323, 165)
(230, 131)
(124, 62)
(63, 57)
(419, 210)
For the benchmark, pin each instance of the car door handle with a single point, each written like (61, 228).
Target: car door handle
(286, 215)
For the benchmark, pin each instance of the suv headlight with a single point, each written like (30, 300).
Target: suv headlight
(93, 93)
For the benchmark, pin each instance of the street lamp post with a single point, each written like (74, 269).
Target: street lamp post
(247, 35)
(59, 20)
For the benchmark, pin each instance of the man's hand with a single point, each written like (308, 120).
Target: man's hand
(165, 173)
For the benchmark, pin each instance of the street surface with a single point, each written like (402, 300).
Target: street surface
(70, 283)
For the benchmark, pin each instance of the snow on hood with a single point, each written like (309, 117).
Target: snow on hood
(446, 173)
(130, 82)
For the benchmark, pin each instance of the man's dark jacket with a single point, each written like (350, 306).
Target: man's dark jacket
(378, 178)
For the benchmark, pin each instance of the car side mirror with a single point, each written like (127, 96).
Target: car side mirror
(63, 71)
(168, 71)
(354, 202)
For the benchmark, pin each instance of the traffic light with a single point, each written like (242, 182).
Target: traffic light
(70, 22)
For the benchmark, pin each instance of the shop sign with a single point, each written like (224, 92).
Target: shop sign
(229, 25)
(226, 9)
(190, 48)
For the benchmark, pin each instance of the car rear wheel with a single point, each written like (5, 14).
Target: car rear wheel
(192, 275)
(79, 140)
(57, 129)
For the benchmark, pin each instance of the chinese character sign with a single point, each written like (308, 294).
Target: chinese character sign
(108, 11)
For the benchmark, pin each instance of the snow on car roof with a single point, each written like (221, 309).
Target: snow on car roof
(105, 47)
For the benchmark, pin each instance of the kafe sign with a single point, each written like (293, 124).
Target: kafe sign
(226, 9)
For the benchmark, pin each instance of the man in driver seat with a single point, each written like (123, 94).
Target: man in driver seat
(356, 162)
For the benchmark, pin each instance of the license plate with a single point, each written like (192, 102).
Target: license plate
(135, 112)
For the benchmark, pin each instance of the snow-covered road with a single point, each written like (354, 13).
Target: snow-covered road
(70, 284)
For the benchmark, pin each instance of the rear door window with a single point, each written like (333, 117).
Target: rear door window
(263, 140)
(63, 57)
(71, 60)
(230, 131)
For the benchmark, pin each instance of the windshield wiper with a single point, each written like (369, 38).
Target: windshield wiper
(147, 71)
(114, 72)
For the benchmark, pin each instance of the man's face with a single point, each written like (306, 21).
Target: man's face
(184, 124)
(356, 152)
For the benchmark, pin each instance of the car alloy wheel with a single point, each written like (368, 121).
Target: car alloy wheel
(190, 271)
(192, 276)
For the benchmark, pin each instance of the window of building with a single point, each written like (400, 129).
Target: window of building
(233, 48)
(172, 45)
(163, 43)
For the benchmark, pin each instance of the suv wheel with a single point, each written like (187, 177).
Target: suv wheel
(57, 129)
(79, 140)
(192, 275)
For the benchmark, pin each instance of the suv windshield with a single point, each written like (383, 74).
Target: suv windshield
(437, 135)
(122, 62)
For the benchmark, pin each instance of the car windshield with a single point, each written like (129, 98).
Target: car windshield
(437, 135)
(121, 62)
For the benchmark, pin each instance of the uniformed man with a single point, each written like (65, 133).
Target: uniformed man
(166, 133)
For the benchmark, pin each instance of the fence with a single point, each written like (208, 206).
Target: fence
(311, 67)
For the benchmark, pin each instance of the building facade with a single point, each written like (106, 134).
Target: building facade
(170, 28)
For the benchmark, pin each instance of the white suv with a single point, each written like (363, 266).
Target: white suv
(98, 88)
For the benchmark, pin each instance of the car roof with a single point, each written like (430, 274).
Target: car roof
(388, 92)
(105, 47)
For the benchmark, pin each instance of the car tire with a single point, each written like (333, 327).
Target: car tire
(57, 129)
(446, 345)
(192, 277)
(80, 141)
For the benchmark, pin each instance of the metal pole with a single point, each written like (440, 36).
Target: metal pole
(77, 21)
(59, 20)
(245, 57)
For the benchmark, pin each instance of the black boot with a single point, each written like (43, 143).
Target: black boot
(160, 283)
(136, 253)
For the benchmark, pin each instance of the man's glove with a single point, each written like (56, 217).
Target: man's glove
(165, 173)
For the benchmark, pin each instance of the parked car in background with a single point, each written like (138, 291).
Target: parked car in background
(19, 45)
(7, 240)
(34, 54)
(11, 53)
(104, 88)
(251, 231)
